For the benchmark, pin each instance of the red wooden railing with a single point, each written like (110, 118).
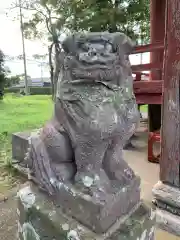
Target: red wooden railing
(148, 91)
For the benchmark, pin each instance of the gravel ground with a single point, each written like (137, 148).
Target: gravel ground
(8, 217)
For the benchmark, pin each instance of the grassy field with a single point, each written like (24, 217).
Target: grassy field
(23, 113)
(144, 108)
(20, 114)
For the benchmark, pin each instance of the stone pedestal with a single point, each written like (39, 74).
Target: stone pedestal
(98, 215)
(167, 207)
(76, 216)
(39, 218)
(20, 145)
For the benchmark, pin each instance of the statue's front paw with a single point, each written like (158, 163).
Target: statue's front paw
(64, 172)
(124, 175)
(93, 183)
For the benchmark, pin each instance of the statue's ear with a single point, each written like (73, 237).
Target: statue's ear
(123, 44)
(69, 45)
(128, 45)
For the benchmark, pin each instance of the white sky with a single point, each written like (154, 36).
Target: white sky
(11, 44)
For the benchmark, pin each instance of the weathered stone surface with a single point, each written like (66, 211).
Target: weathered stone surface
(95, 114)
(41, 219)
(167, 194)
(98, 215)
(77, 157)
(20, 145)
(168, 222)
(167, 207)
(94, 213)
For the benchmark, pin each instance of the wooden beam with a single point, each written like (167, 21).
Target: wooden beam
(149, 48)
(170, 144)
(157, 32)
(148, 99)
(148, 87)
(147, 67)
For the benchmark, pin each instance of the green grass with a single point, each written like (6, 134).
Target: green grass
(20, 114)
(144, 108)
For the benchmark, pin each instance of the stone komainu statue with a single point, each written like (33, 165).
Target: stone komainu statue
(95, 114)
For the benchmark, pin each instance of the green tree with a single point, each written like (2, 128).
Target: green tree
(2, 75)
(128, 16)
(12, 80)
(47, 21)
(50, 19)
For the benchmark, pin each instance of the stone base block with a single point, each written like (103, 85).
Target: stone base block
(20, 145)
(168, 222)
(40, 219)
(167, 208)
(95, 213)
(99, 215)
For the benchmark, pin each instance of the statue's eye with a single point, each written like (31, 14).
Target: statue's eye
(92, 53)
(108, 47)
(85, 47)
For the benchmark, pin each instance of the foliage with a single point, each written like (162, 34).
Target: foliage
(47, 20)
(40, 90)
(12, 90)
(144, 30)
(2, 75)
(33, 90)
(40, 56)
(12, 80)
(57, 17)
(129, 16)
(50, 19)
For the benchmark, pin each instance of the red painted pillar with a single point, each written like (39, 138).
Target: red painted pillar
(167, 191)
(170, 161)
(157, 31)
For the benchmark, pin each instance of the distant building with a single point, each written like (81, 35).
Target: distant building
(35, 82)
(47, 84)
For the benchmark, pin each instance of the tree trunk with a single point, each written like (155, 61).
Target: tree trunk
(1, 89)
(51, 68)
(1, 94)
(56, 68)
(112, 25)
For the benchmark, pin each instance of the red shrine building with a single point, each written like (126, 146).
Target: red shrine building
(161, 93)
